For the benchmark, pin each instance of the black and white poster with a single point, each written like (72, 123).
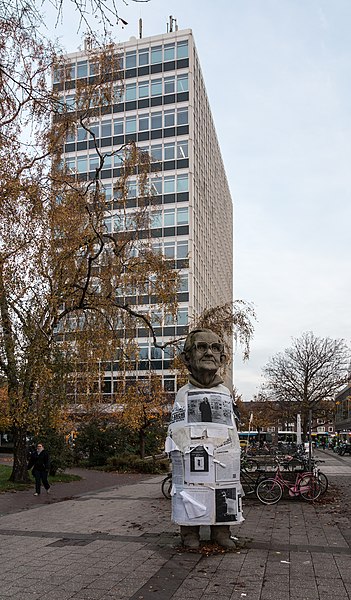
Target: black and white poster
(226, 505)
(209, 407)
(178, 415)
(199, 466)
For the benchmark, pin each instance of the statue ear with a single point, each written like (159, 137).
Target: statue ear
(223, 359)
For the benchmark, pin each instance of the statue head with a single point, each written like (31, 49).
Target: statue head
(203, 354)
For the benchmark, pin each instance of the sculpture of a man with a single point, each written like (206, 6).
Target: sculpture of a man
(204, 446)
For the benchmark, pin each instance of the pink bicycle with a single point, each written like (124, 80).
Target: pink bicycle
(270, 490)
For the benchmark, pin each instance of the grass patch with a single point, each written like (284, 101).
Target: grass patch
(8, 486)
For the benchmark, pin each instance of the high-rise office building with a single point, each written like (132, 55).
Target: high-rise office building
(165, 110)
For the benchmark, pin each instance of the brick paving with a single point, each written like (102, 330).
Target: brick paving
(116, 541)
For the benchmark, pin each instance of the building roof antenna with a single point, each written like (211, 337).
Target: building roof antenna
(172, 21)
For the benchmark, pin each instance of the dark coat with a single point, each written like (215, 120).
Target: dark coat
(39, 462)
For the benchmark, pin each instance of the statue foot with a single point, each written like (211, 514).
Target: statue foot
(220, 534)
(190, 537)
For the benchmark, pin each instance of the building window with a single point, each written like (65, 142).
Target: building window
(169, 118)
(118, 126)
(82, 164)
(183, 283)
(168, 319)
(130, 92)
(156, 219)
(156, 318)
(169, 185)
(156, 55)
(70, 102)
(143, 123)
(156, 120)
(107, 161)
(93, 68)
(182, 249)
(182, 83)
(156, 152)
(106, 129)
(108, 224)
(169, 151)
(132, 189)
(130, 124)
(143, 89)
(143, 351)
(58, 74)
(156, 353)
(169, 85)
(94, 131)
(143, 57)
(169, 218)
(81, 134)
(169, 247)
(130, 60)
(82, 69)
(182, 316)
(156, 186)
(94, 162)
(71, 71)
(70, 164)
(156, 87)
(182, 49)
(182, 116)
(107, 190)
(169, 384)
(182, 149)
(182, 183)
(168, 52)
(182, 216)
(118, 158)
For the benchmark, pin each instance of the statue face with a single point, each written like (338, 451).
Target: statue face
(206, 354)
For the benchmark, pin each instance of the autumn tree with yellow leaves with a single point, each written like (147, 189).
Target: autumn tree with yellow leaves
(60, 267)
(65, 278)
(143, 404)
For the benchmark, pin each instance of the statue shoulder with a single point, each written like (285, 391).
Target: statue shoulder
(181, 394)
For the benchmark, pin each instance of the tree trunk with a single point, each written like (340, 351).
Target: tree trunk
(142, 443)
(19, 471)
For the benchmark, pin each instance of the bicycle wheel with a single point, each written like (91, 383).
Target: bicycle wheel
(269, 491)
(309, 487)
(166, 487)
(248, 464)
(295, 464)
(323, 480)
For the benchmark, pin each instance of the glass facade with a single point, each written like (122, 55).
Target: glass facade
(163, 108)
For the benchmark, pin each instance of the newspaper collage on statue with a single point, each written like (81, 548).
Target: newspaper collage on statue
(205, 452)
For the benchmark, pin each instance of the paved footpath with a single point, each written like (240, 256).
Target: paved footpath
(118, 543)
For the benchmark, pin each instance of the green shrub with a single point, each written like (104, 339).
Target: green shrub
(100, 439)
(129, 463)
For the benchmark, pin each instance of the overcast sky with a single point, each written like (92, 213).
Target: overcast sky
(278, 77)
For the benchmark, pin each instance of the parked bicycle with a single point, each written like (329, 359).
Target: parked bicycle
(343, 448)
(166, 486)
(270, 489)
(301, 463)
(250, 476)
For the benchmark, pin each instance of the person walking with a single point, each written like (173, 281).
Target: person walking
(39, 463)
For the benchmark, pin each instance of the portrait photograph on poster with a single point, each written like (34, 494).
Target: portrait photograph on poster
(226, 505)
(199, 465)
(207, 407)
